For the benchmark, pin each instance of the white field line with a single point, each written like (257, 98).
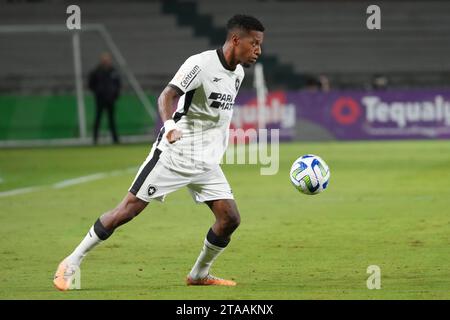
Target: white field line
(83, 179)
(69, 182)
(19, 191)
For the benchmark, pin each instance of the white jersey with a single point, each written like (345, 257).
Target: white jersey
(208, 88)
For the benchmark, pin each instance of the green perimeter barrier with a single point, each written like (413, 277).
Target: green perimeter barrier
(31, 117)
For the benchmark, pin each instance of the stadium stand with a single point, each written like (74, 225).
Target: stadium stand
(302, 38)
(151, 42)
(330, 37)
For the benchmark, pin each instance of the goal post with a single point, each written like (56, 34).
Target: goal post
(59, 39)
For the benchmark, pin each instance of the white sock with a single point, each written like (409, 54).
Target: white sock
(207, 256)
(89, 242)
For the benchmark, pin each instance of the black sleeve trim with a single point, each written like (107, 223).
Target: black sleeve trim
(178, 90)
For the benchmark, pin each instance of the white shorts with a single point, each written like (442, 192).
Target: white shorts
(162, 173)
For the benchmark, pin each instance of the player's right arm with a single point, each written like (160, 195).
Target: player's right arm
(165, 102)
(187, 78)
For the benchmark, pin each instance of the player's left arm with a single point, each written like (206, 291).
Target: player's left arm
(166, 100)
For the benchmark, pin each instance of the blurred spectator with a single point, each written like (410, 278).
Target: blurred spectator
(379, 82)
(318, 83)
(104, 81)
(324, 83)
(312, 84)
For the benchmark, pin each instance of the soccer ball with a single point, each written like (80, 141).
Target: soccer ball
(310, 174)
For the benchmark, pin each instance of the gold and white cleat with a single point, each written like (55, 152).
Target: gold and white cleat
(209, 280)
(64, 276)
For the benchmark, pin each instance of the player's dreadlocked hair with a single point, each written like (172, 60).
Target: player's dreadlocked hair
(244, 22)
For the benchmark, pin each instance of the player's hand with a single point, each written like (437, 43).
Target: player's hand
(174, 135)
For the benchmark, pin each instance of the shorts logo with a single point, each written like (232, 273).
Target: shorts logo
(151, 190)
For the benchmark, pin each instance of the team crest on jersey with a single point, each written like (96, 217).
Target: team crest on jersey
(237, 84)
(152, 189)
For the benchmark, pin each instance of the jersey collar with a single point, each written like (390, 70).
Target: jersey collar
(223, 61)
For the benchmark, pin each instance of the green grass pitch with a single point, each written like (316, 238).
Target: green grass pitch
(388, 204)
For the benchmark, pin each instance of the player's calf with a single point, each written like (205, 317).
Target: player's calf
(217, 239)
(129, 208)
(226, 225)
(227, 216)
(102, 229)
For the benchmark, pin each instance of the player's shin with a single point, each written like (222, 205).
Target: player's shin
(212, 248)
(97, 233)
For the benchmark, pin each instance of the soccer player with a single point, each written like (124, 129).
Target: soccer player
(188, 150)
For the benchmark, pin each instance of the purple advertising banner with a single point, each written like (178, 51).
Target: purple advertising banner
(350, 115)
